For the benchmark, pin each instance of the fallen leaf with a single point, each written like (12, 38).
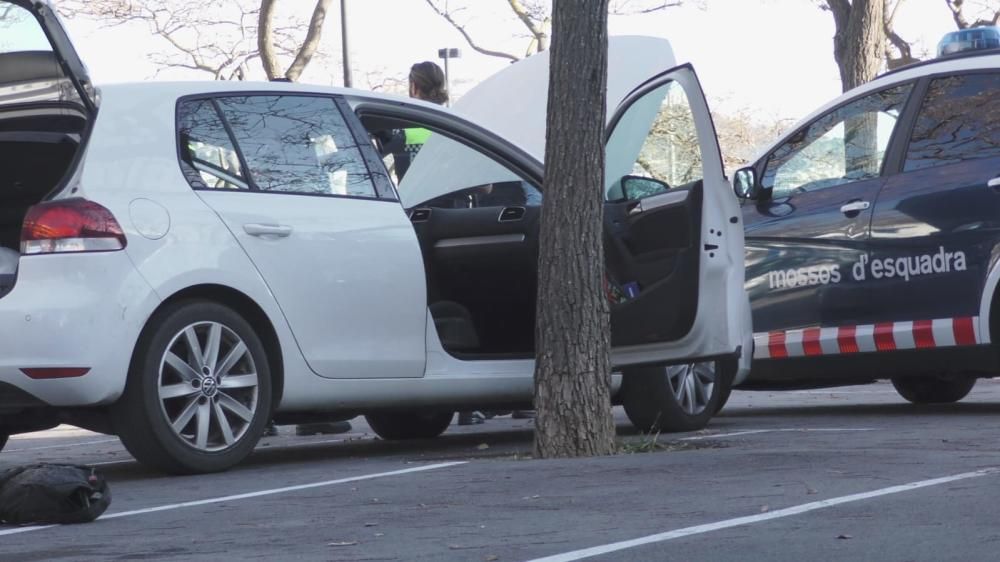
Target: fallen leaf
(482, 446)
(810, 491)
(342, 543)
(371, 524)
(845, 537)
(492, 558)
(379, 534)
(764, 508)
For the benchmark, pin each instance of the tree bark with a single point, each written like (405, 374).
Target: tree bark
(572, 370)
(859, 42)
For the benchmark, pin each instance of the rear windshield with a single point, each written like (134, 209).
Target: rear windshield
(19, 31)
(29, 70)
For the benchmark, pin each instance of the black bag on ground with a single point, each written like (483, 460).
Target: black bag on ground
(52, 493)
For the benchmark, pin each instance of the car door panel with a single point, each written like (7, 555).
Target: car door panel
(343, 264)
(808, 228)
(936, 223)
(674, 259)
(800, 251)
(656, 249)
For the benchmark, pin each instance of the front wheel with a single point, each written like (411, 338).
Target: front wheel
(404, 426)
(672, 398)
(933, 390)
(198, 394)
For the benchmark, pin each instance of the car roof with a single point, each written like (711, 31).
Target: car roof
(989, 60)
(166, 89)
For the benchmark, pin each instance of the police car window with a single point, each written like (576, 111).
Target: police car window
(207, 147)
(297, 144)
(959, 121)
(656, 138)
(844, 146)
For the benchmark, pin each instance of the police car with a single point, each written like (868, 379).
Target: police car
(873, 233)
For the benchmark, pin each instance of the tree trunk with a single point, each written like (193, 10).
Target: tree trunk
(572, 371)
(304, 54)
(265, 39)
(859, 42)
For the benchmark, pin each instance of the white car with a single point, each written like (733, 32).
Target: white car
(190, 260)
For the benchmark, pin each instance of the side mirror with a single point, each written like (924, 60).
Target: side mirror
(745, 183)
(638, 187)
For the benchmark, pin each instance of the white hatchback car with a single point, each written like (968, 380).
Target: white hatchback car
(185, 261)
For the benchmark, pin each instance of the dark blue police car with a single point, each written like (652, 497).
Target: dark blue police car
(873, 236)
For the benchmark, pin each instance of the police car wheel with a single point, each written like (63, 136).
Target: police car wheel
(404, 426)
(673, 398)
(933, 390)
(3, 441)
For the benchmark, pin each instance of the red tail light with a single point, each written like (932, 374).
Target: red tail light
(70, 225)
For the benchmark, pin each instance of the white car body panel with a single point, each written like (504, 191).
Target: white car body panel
(349, 278)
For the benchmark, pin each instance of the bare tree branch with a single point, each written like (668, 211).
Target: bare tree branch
(539, 33)
(468, 38)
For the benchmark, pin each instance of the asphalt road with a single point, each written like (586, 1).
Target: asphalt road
(842, 474)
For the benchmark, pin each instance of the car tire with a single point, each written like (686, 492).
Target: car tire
(3, 440)
(404, 426)
(672, 398)
(191, 406)
(933, 390)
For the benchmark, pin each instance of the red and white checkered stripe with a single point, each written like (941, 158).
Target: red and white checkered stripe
(884, 336)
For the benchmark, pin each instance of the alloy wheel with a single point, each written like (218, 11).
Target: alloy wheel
(208, 386)
(692, 385)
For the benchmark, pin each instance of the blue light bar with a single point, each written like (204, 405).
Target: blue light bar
(974, 39)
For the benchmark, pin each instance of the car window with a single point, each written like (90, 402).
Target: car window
(435, 170)
(297, 144)
(656, 138)
(19, 31)
(846, 145)
(207, 146)
(958, 121)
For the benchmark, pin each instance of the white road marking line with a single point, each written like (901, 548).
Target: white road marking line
(249, 495)
(760, 517)
(64, 445)
(779, 430)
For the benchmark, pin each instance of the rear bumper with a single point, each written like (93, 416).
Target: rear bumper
(72, 311)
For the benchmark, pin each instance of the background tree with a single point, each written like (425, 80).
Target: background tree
(859, 40)
(572, 368)
(219, 37)
(534, 17)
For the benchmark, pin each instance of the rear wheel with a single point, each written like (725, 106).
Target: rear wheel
(402, 426)
(672, 398)
(3, 440)
(198, 393)
(933, 390)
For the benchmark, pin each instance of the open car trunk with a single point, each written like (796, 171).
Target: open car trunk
(45, 104)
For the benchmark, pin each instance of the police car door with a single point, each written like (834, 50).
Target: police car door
(934, 231)
(673, 242)
(807, 227)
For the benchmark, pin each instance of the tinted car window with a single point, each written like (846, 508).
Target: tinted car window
(207, 146)
(297, 144)
(959, 121)
(846, 145)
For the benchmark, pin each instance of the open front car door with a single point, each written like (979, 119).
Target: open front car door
(674, 250)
